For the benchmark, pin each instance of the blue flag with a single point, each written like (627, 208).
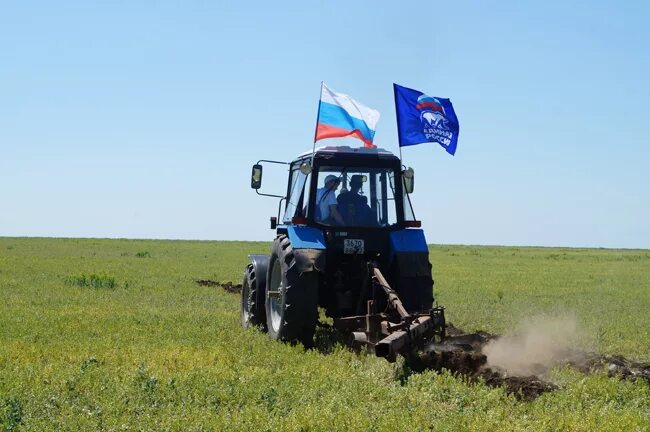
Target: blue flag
(422, 118)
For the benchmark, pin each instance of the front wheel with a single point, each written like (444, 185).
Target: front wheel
(291, 297)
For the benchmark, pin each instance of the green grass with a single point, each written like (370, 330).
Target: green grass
(155, 351)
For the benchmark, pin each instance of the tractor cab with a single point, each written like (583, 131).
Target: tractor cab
(343, 187)
(337, 188)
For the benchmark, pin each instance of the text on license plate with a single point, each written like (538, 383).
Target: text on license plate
(353, 246)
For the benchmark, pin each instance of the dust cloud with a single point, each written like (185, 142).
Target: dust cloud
(540, 344)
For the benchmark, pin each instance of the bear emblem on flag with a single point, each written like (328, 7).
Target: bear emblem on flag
(432, 113)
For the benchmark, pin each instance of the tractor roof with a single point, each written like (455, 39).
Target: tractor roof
(343, 151)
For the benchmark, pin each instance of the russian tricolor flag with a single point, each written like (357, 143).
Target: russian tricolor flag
(341, 116)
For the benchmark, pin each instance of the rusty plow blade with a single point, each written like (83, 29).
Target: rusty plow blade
(395, 331)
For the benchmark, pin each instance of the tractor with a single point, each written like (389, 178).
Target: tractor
(349, 244)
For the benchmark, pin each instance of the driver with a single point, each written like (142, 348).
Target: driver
(326, 209)
(354, 206)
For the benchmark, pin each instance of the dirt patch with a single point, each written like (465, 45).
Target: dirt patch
(207, 282)
(231, 288)
(227, 286)
(526, 388)
(467, 354)
(616, 366)
(462, 354)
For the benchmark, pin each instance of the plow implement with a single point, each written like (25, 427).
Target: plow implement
(393, 331)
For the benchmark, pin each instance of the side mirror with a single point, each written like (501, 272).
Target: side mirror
(256, 176)
(409, 180)
(305, 168)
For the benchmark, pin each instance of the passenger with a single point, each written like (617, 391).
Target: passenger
(353, 206)
(326, 208)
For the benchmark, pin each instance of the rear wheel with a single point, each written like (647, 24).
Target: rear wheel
(413, 282)
(252, 301)
(291, 297)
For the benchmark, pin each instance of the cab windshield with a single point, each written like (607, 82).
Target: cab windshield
(349, 196)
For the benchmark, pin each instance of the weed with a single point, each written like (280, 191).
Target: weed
(13, 415)
(87, 363)
(144, 254)
(92, 280)
(327, 338)
(147, 383)
(402, 371)
(270, 397)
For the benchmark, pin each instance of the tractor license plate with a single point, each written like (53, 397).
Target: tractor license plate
(353, 246)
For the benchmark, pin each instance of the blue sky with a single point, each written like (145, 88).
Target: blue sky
(141, 119)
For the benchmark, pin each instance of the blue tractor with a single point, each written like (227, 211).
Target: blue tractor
(348, 243)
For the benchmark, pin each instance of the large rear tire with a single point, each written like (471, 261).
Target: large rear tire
(253, 313)
(413, 281)
(291, 297)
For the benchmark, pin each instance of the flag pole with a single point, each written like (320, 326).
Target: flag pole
(313, 150)
(398, 122)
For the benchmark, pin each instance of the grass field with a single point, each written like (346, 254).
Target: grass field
(116, 335)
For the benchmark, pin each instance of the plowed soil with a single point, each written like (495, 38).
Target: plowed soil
(462, 354)
(228, 286)
(616, 366)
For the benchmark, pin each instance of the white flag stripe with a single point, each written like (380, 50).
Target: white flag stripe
(354, 108)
